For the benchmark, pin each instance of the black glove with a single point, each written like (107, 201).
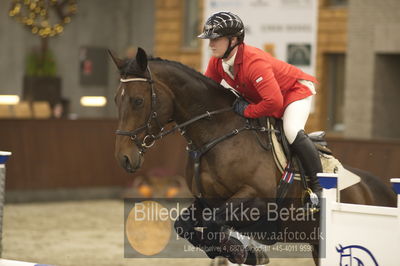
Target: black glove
(239, 106)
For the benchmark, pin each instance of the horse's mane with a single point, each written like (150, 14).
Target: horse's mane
(130, 68)
(190, 70)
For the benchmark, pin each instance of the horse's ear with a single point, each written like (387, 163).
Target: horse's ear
(141, 59)
(118, 62)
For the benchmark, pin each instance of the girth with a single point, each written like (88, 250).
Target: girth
(196, 154)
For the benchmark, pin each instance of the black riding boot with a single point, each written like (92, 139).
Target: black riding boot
(306, 151)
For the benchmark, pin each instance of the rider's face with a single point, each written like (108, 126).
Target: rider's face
(218, 46)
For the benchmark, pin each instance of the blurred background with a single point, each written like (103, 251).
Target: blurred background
(57, 84)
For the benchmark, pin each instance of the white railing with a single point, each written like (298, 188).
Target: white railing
(358, 234)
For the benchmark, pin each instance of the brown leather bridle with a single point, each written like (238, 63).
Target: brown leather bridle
(149, 139)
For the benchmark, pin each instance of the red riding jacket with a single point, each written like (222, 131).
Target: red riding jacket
(266, 82)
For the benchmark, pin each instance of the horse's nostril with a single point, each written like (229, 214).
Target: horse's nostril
(127, 163)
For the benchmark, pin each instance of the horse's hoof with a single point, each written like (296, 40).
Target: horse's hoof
(234, 250)
(256, 256)
(219, 261)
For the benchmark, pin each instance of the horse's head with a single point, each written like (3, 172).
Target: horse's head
(144, 107)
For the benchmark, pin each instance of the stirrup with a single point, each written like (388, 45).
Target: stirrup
(312, 200)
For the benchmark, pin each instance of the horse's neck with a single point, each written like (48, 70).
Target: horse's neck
(194, 97)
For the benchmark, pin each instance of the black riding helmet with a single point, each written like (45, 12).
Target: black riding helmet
(223, 24)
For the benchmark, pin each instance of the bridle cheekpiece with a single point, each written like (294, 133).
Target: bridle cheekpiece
(149, 139)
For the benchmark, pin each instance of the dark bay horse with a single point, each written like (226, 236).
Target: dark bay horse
(154, 92)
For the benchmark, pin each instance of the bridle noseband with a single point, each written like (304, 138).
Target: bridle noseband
(149, 139)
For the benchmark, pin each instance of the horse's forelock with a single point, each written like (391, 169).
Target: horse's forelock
(130, 68)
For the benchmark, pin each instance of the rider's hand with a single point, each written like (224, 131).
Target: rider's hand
(239, 106)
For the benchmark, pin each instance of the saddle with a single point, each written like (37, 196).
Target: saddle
(290, 166)
(282, 152)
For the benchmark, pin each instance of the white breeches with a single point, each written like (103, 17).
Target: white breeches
(296, 115)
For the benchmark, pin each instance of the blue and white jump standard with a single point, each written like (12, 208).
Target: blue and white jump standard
(4, 156)
(358, 234)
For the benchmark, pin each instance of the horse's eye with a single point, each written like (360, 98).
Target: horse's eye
(137, 101)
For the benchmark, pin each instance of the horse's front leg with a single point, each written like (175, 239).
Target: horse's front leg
(231, 210)
(241, 210)
(187, 226)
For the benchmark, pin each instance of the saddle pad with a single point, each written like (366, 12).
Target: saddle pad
(329, 164)
(346, 178)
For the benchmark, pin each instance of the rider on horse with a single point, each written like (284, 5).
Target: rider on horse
(270, 87)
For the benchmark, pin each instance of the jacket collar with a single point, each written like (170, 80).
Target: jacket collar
(239, 54)
(231, 61)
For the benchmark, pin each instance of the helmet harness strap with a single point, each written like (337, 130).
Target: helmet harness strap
(229, 49)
